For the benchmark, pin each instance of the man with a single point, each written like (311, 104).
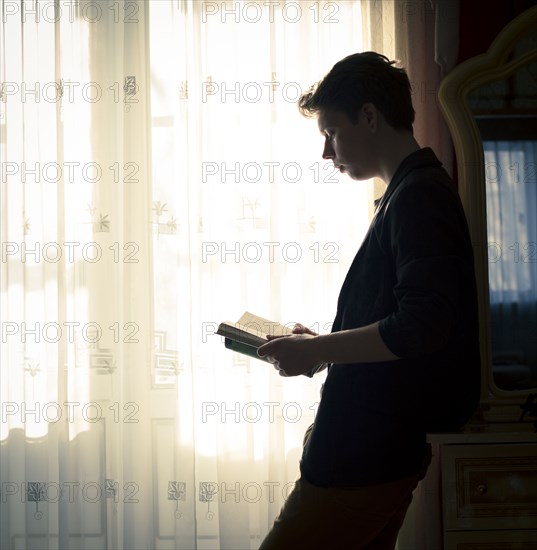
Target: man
(403, 354)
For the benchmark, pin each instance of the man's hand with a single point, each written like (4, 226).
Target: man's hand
(291, 355)
(303, 350)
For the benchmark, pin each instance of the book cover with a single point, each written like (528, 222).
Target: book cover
(250, 332)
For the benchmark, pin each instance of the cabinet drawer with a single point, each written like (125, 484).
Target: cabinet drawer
(489, 486)
(490, 540)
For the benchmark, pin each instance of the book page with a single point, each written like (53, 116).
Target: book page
(262, 327)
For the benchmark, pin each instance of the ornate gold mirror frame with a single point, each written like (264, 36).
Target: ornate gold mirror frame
(496, 405)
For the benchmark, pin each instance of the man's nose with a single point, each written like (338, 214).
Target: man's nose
(328, 152)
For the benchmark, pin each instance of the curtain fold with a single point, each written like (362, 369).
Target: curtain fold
(426, 38)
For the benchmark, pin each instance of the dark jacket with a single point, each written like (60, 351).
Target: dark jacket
(415, 274)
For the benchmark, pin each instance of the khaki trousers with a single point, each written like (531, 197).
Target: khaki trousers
(356, 518)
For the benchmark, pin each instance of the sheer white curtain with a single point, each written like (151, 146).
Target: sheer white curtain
(76, 307)
(157, 179)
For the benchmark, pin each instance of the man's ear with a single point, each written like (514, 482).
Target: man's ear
(370, 114)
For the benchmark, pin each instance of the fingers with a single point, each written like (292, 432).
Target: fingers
(264, 349)
(276, 364)
(301, 329)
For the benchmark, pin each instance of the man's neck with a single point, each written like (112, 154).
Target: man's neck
(395, 148)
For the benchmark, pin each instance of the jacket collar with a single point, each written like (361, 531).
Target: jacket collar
(419, 159)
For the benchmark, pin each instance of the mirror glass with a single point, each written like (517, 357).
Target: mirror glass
(505, 113)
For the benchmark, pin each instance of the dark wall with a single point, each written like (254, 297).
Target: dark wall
(482, 20)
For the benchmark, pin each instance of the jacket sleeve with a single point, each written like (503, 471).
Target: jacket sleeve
(424, 232)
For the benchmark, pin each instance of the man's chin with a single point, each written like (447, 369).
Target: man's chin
(357, 176)
(354, 176)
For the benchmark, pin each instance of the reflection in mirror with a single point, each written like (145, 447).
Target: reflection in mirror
(511, 227)
(504, 113)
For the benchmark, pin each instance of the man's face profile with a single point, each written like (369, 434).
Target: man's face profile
(348, 145)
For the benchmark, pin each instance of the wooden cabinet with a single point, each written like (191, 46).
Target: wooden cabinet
(488, 490)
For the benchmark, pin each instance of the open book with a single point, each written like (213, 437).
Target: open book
(250, 332)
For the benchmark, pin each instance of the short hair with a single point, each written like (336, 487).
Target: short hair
(366, 77)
